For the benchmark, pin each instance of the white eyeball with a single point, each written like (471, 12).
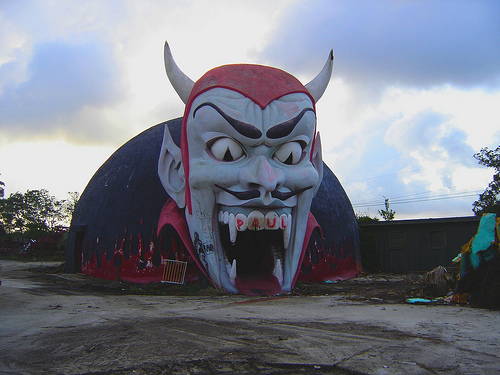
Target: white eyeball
(226, 149)
(290, 153)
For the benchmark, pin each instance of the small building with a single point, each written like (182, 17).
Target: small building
(414, 245)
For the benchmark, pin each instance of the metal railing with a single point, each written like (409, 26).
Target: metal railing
(174, 271)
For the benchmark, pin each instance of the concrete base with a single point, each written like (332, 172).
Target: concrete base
(60, 330)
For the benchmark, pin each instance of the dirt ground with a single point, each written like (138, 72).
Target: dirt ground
(375, 287)
(53, 323)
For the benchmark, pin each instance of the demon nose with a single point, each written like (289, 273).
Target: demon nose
(261, 175)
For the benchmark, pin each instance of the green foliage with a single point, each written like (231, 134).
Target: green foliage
(387, 214)
(70, 204)
(2, 184)
(35, 212)
(489, 201)
(365, 217)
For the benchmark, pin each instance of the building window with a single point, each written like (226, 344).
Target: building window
(397, 240)
(437, 239)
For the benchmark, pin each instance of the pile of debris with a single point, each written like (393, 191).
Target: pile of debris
(479, 276)
(477, 280)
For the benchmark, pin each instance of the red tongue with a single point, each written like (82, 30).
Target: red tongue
(258, 285)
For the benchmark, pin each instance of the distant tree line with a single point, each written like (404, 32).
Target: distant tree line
(388, 214)
(35, 211)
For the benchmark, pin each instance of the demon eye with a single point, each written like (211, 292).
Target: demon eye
(290, 153)
(226, 149)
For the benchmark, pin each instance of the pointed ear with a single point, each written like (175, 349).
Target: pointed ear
(317, 159)
(170, 169)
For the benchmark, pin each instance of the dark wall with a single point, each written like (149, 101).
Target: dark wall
(417, 245)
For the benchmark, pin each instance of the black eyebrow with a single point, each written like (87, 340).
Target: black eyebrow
(243, 128)
(250, 194)
(285, 128)
(285, 196)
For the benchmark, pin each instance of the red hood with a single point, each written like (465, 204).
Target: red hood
(261, 84)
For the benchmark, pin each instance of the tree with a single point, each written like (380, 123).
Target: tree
(40, 210)
(489, 201)
(11, 210)
(387, 214)
(70, 204)
(2, 189)
(35, 211)
(363, 217)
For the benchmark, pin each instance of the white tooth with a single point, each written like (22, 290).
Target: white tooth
(256, 220)
(272, 220)
(232, 228)
(286, 237)
(278, 271)
(283, 221)
(226, 217)
(241, 222)
(232, 273)
(287, 230)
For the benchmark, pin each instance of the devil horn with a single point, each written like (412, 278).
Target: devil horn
(181, 82)
(318, 85)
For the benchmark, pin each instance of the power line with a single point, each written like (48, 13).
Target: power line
(419, 194)
(416, 197)
(407, 198)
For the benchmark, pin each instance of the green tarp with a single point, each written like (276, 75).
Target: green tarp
(483, 245)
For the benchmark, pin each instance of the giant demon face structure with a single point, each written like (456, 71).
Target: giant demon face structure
(247, 170)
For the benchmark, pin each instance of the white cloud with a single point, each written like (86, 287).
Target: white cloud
(411, 142)
(122, 47)
(385, 43)
(389, 123)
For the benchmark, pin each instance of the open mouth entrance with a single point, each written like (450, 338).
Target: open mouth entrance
(256, 259)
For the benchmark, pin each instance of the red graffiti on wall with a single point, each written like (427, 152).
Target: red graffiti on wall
(139, 267)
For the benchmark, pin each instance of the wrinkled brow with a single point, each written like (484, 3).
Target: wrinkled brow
(285, 128)
(243, 128)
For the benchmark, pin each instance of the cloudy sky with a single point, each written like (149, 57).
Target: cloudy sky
(415, 90)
